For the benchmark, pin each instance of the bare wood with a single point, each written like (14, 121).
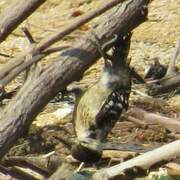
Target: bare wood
(152, 118)
(28, 35)
(172, 64)
(138, 148)
(27, 64)
(166, 85)
(44, 164)
(144, 161)
(9, 172)
(9, 66)
(20, 68)
(45, 43)
(174, 136)
(173, 169)
(137, 121)
(115, 154)
(62, 173)
(16, 13)
(37, 92)
(5, 55)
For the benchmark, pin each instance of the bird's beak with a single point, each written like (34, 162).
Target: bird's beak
(92, 144)
(87, 152)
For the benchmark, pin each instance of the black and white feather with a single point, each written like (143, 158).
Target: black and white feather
(101, 105)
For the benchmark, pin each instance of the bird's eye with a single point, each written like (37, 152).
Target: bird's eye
(92, 135)
(92, 128)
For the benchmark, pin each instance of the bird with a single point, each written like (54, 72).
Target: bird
(98, 108)
(155, 71)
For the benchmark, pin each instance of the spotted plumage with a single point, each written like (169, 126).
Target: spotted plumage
(116, 103)
(100, 107)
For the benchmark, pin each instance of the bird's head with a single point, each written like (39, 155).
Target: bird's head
(89, 151)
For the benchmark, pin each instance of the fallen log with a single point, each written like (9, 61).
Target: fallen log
(43, 86)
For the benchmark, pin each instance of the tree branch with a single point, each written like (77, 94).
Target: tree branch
(16, 13)
(12, 74)
(172, 64)
(165, 85)
(152, 118)
(56, 37)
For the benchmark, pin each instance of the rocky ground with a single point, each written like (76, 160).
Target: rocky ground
(154, 38)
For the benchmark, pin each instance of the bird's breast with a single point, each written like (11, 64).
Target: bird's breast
(88, 108)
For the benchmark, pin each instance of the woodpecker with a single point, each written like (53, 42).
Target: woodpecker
(99, 108)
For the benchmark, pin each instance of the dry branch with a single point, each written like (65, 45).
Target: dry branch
(43, 164)
(16, 13)
(117, 154)
(45, 43)
(166, 85)
(36, 92)
(172, 64)
(28, 35)
(173, 169)
(87, 17)
(174, 136)
(63, 172)
(17, 65)
(144, 161)
(5, 55)
(18, 69)
(152, 118)
(137, 121)
(27, 64)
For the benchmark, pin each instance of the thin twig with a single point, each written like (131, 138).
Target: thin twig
(8, 78)
(172, 64)
(5, 55)
(79, 22)
(19, 69)
(28, 35)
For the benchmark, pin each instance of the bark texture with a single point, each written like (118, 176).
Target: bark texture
(17, 12)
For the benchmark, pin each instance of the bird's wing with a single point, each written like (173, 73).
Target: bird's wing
(89, 106)
(111, 109)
